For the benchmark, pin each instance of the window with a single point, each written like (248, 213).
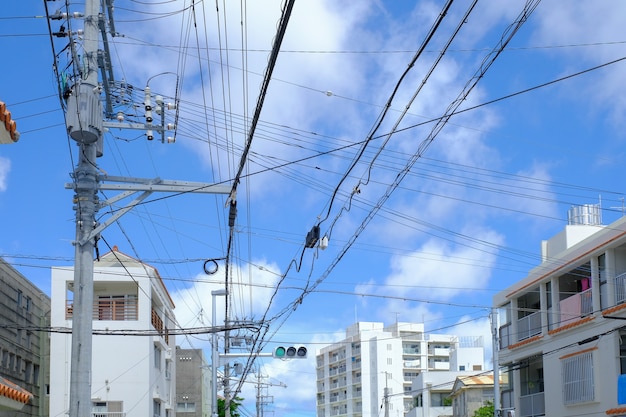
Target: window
(157, 357)
(622, 350)
(28, 372)
(577, 374)
(107, 409)
(440, 399)
(156, 405)
(187, 407)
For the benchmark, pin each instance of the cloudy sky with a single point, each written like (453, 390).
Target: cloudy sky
(433, 170)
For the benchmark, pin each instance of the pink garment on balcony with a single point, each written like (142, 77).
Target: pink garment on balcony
(585, 283)
(570, 308)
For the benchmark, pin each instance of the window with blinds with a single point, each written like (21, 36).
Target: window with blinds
(577, 374)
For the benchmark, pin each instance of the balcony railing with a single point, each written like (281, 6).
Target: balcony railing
(157, 323)
(532, 405)
(108, 414)
(122, 310)
(620, 288)
(529, 326)
(576, 306)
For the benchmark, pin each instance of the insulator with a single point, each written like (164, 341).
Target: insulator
(171, 126)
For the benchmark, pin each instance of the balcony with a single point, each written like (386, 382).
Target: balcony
(337, 358)
(532, 405)
(575, 307)
(620, 288)
(529, 326)
(108, 414)
(123, 309)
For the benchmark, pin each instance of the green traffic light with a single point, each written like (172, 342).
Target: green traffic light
(280, 352)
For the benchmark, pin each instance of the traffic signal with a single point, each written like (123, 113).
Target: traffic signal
(290, 352)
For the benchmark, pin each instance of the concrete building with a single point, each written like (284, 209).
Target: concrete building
(470, 393)
(133, 366)
(374, 367)
(193, 383)
(24, 345)
(562, 328)
(432, 389)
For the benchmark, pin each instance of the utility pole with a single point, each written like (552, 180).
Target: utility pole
(496, 363)
(386, 396)
(84, 121)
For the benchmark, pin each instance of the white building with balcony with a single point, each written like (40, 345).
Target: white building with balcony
(375, 366)
(132, 375)
(432, 390)
(562, 328)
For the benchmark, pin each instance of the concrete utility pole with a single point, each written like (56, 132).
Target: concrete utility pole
(84, 121)
(496, 363)
(386, 396)
(214, 353)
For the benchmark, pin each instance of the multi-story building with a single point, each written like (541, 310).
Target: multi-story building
(563, 328)
(375, 365)
(133, 366)
(193, 383)
(24, 345)
(432, 389)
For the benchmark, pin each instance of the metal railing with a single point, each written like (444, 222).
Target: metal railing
(529, 326)
(108, 414)
(620, 288)
(532, 405)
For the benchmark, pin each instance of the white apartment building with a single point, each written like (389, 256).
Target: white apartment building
(132, 375)
(374, 367)
(562, 328)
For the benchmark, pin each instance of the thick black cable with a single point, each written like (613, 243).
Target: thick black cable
(387, 106)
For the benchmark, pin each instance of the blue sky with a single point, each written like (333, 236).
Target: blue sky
(464, 222)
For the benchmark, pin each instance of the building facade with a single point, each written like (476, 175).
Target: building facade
(470, 393)
(432, 390)
(374, 367)
(193, 383)
(24, 345)
(562, 328)
(133, 366)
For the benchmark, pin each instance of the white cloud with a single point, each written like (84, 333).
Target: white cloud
(193, 304)
(443, 270)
